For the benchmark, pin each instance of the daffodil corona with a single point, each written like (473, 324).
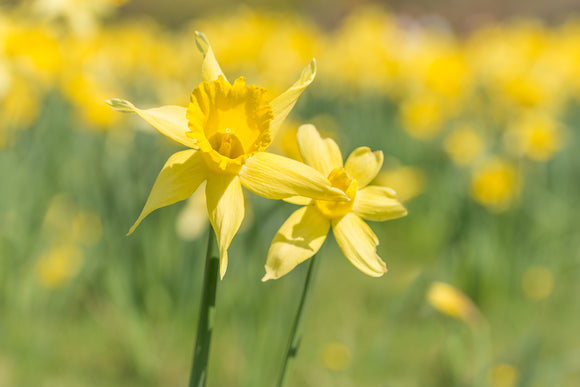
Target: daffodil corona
(228, 127)
(302, 235)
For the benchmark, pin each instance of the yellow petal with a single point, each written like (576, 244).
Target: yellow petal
(378, 204)
(359, 244)
(299, 238)
(169, 120)
(283, 104)
(179, 178)
(299, 200)
(278, 177)
(225, 206)
(321, 154)
(364, 165)
(210, 68)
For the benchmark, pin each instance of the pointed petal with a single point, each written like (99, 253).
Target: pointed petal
(299, 238)
(178, 180)
(283, 104)
(169, 120)
(321, 154)
(359, 244)
(378, 204)
(210, 68)
(225, 206)
(278, 177)
(364, 165)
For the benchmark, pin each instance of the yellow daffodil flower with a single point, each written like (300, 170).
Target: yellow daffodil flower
(228, 127)
(302, 235)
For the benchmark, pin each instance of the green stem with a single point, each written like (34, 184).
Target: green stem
(296, 333)
(206, 315)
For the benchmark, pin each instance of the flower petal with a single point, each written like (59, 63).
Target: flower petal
(210, 68)
(321, 154)
(169, 120)
(225, 206)
(299, 200)
(299, 238)
(283, 104)
(364, 165)
(359, 244)
(178, 180)
(378, 204)
(278, 177)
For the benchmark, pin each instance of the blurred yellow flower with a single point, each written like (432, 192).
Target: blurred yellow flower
(537, 282)
(496, 184)
(535, 135)
(464, 145)
(228, 127)
(408, 182)
(335, 356)
(422, 115)
(503, 375)
(450, 301)
(304, 232)
(59, 265)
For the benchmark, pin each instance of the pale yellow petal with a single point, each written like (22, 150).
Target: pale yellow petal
(378, 204)
(299, 238)
(225, 206)
(169, 120)
(179, 178)
(210, 68)
(321, 154)
(278, 177)
(359, 244)
(364, 165)
(283, 104)
(299, 200)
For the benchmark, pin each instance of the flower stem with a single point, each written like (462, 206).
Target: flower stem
(296, 333)
(206, 315)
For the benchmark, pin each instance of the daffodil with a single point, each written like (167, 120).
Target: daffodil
(227, 127)
(304, 232)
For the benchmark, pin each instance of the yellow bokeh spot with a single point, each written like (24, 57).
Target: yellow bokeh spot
(464, 145)
(338, 179)
(535, 135)
(537, 282)
(495, 185)
(335, 356)
(58, 265)
(408, 182)
(450, 301)
(422, 116)
(503, 375)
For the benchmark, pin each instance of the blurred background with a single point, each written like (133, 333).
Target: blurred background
(475, 105)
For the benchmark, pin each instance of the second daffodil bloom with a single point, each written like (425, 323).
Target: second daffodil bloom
(228, 127)
(304, 232)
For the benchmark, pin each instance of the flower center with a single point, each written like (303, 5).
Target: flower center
(230, 123)
(339, 179)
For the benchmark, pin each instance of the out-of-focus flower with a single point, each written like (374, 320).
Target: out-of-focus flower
(535, 135)
(464, 145)
(422, 115)
(537, 282)
(228, 127)
(304, 232)
(496, 184)
(408, 182)
(450, 301)
(503, 375)
(335, 356)
(59, 265)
